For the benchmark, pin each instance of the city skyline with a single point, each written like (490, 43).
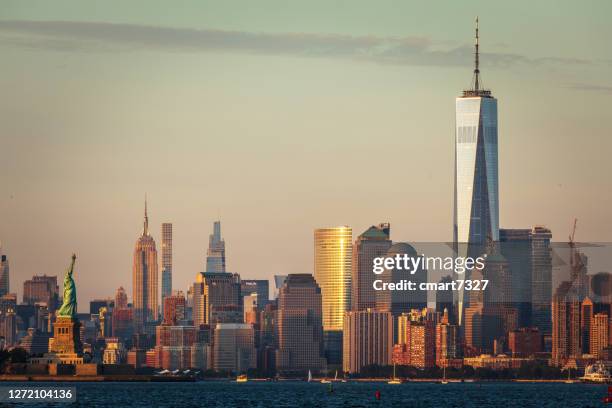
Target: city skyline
(47, 204)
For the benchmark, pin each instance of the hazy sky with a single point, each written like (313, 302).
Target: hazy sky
(279, 117)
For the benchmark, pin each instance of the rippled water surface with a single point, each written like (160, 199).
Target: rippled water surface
(302, 394)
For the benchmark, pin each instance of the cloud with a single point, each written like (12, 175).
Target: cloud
(606, 89)
(100, 37)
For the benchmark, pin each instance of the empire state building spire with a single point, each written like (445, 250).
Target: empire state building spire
(145, 229)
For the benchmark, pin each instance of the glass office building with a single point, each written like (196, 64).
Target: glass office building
(476, 212)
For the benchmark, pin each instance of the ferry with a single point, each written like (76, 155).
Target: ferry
(242, 378)
(596, 373)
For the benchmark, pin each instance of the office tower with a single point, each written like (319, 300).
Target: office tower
(174, 308)
(299, 329)
(251, 308)
(401, 301)
(234, 347)
(332, 270)
(41, 289)
(259, 286)
(420, 347)
(216, 298)
(279, 281)
(368, 339)
(4, 273)
(145, 288)
(215, 257)
(476, 213)
(96, 304)
(266, 343)
(529, 256)
(166, 261)
(444, 300)
(121, 299)
(566, 336)
(586, 316)
(373, 243)
(447, 341)
(189, 304)
(599, 334)
(123, 323)
(35, 342)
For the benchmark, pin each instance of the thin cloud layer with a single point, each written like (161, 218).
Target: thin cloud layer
(100, 37)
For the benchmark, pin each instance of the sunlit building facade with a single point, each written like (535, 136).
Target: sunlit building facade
(476, 212)
(145, 287)
(166, 261)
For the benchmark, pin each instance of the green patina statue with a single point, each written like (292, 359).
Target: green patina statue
(69, 305)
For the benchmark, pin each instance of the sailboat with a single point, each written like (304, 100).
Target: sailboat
(309, 376)
(336, 376)
(569, 378)
(394, 379)
(444, 381)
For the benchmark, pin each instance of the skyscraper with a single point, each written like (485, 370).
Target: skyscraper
(259, 286)
(216, 298)
(332, 270)
(4, 273)
(41, 289)
(299, 329)
(215, 257)
(476, 213)
(368, 339)
(121, 299)
(166, 258)
(373, 243)
(145, 287)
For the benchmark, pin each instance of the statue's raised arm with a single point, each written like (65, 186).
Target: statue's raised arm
(69, 303)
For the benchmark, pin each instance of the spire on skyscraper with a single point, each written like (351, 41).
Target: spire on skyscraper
(476, 60)
(476, 88)
(145, 230)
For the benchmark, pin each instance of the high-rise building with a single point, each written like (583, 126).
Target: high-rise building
(299, 330)
(586, 316)
(373, 243)
(530, 265)
(259, 286)
(566, 335)
(401, 301)
(41, 289)
(599, 333)
(4, 273)
(368, 339)
(216, 298)
(96, 304)
(145, 286)
(215, 257)
(121, 299)
(447, 341)
(420, 347)
(476, 215)
(234, 347)
(166, 261)
(332, 270)
(174, 308)
(250, 308)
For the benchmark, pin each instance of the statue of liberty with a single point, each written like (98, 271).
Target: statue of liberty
(69, 305)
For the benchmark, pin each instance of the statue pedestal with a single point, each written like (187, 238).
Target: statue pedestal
(65, 347)
(67, 336)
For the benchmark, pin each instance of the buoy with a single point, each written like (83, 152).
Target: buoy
(377, 395)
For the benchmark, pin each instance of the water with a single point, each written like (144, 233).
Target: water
(302, 394)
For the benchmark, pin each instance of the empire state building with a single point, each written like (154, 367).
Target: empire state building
(145, 287)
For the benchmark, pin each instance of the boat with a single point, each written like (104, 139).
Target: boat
(325, 381)
(336, 376)
(596, 373)
(309, 376)
(242, 378)
(394, 379)
(444, 381)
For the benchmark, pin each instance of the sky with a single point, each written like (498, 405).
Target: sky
(278, 117)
